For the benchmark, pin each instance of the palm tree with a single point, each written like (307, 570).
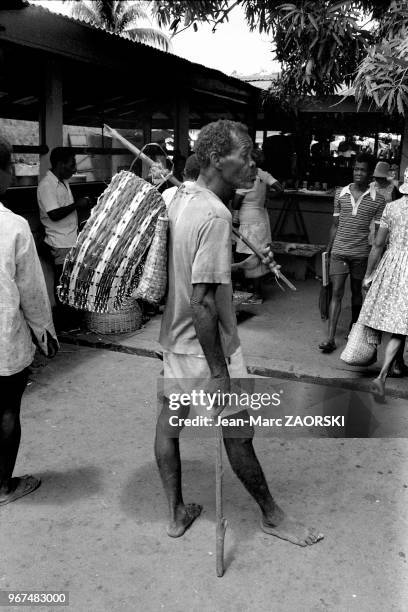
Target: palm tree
(121, 17)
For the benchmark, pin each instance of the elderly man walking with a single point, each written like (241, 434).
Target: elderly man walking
(25, 316)
(199, 331)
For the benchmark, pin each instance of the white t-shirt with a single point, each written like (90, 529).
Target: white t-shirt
(199, 252)
(252, 208)
(168, 194)
(51, 194)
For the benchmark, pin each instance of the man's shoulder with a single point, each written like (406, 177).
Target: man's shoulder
(48, 180)
(199, 203)
(379, 199)
(13, 223)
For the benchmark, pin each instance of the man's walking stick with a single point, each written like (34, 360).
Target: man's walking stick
(221, 525)
(270, 264)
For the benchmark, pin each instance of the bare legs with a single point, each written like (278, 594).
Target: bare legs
(339, 282)
(391, 350)
(10, 430)
(11, 391)
(356, 298)
(246, 466)
(167, 452)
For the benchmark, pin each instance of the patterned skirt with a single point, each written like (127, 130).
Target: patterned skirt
(386, 304)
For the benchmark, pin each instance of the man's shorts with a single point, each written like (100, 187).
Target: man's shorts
(341, 264)
(186, 373)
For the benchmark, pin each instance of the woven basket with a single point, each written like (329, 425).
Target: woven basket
(123, 321)
(361, 348)
(153, 283)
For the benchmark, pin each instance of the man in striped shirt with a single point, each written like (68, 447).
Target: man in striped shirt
(355, 206)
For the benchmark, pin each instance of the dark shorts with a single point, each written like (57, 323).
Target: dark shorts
(341, 264)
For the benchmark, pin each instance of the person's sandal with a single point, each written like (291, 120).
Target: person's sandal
(328, 346)
(253, 300)
(398, 370)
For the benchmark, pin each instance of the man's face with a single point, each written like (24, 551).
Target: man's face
(361, 173)
(238, 169)
(68, 168)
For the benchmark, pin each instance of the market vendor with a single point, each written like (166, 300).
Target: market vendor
(58, 210)
(249, 209)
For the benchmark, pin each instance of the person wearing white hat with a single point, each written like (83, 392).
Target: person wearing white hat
(386, 305)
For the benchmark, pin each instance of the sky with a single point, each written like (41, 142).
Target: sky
(231, 48)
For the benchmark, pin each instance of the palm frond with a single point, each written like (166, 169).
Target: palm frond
(85, 11)
(150, 36)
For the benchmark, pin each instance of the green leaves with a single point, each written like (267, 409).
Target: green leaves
(320, 44)
(383, 74)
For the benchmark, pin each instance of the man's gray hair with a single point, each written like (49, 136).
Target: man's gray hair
(218, 137)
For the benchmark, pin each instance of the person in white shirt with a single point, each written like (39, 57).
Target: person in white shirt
(250, 211)
(25, 316)
(58, 211)
(190, 175)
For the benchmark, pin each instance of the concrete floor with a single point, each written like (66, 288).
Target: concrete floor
(279, 337)
(96, 526)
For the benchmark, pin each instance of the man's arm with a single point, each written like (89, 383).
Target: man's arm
(333, 232)
(34, 301)
(206, 318)
(272, 183)
(336, 218)
(375, 254)
(57, 214)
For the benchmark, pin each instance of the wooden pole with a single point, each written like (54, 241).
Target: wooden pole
(271, 264)
(137, 152)
(221, 522)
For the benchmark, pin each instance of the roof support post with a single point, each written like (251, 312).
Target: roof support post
(147, 129)
(250, 118)
(181, 122)
(51, 111)
(404, 149)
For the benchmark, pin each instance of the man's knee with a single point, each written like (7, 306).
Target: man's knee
(170, 422)
(239, 427)
(338, 293)
(8, 422)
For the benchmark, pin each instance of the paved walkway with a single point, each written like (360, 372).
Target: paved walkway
(279, 337)
(96, 526)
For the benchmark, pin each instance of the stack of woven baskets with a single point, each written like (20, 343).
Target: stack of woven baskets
(120, 255)
(125, 320)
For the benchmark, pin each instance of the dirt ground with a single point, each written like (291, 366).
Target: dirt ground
(96, 526)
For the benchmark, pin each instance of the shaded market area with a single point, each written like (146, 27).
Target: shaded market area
(96, 528)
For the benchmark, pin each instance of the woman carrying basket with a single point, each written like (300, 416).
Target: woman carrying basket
(386, 305)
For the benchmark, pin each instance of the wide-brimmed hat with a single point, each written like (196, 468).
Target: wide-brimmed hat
(404, 187)
(382, 170)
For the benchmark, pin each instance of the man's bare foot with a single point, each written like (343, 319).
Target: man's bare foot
(377, 388)
(187, 516)
(287, 528)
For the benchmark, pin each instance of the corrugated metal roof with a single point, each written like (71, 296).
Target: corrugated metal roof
(151, 48)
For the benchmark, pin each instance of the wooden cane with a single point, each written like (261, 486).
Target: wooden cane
(221, 522)
(114, 134)
(270, 264)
